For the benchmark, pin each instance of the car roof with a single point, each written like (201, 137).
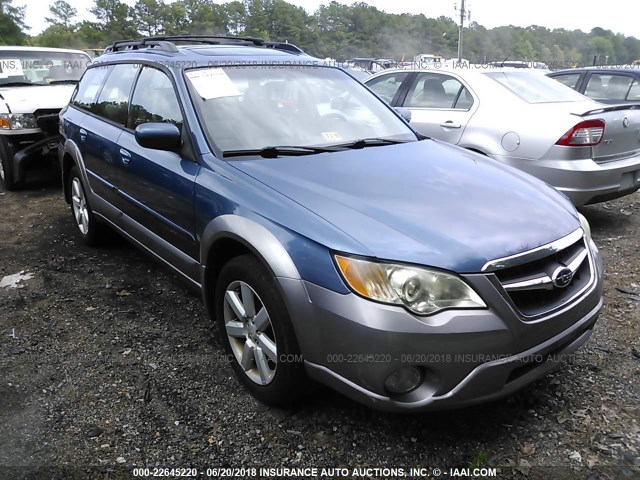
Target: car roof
(230, 50)
(600, 69)
(467, 71)
(5, 48)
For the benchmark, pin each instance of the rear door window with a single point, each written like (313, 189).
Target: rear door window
(113, 101)
(89, 88)
(608, 86)
(434, 90)
(634, 92)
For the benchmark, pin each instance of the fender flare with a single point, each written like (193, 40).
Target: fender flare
(71, 148)
(253, 235)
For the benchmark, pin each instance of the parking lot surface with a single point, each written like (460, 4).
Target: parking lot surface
(107, 361)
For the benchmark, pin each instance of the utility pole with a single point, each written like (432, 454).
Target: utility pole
(462, 15)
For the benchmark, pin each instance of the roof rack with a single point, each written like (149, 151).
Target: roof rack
(168, 43)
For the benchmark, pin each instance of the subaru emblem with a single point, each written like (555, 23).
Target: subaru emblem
(562, 277)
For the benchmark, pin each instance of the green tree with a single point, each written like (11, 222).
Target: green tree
(12, 25)
(115, 19)
(61, 13)
(148, 15)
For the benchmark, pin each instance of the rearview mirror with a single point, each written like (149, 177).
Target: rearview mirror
(159, 136)
(404, 113)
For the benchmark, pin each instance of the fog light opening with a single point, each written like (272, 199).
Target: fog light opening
(403, 380)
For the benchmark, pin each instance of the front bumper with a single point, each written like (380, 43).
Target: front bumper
(33, 150)
(466, 356)
(584, 181)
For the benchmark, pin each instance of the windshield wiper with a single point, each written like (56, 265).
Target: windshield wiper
(60, 82)
(16, 84)
(275, 152)
(370, 142)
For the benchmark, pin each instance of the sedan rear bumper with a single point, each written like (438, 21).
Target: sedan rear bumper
(584, 181)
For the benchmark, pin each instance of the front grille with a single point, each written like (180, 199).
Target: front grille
(542, 285)
(47, 119)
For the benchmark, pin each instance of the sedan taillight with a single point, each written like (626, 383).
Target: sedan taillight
(589, 132)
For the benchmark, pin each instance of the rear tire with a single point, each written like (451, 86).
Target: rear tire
(257, 333)
(90, 230)
(6, 164)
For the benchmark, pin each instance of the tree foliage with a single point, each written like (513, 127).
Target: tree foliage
(12, 25)
(334, 29)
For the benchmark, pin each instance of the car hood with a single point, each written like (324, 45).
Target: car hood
(422, 202)
(29, 99)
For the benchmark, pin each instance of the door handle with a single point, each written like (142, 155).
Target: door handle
(83, 134)
(450, 124)
(126, 156)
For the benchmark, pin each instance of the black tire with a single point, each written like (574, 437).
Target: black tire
(6, 162)
(91, 231)
(289, 381)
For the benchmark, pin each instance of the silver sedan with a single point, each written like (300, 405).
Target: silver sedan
(587, 150)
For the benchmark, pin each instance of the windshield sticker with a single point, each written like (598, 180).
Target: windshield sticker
(10, 67)
(331, 136)
(212, 83)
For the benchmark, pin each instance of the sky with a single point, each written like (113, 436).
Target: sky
(615, 15)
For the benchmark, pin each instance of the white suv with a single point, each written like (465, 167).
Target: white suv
(35, 84)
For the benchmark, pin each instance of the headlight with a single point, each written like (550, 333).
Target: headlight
(586, 228)
(584, 223)
(17, 121)
(419, 290)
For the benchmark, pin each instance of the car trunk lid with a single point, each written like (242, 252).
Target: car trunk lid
(621, 133)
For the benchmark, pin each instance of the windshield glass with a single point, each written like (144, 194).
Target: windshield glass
(250, 108)
(40, 67)
(535, 87)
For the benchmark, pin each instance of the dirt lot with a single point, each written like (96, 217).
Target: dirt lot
(107, 361)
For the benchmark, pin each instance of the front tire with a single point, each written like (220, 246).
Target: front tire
(257, 333)
(83, 218)
(6, 164)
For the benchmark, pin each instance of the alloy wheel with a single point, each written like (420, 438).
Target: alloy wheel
(79, 202)
(250, 332)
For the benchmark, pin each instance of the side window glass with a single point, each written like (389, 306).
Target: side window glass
(89, 87)
(432, 90)
(113, 101)
(464, 101)
(618, 87)
(634, 92)
(608, 86)
(570, 80)
(154, 100)
(386, 86)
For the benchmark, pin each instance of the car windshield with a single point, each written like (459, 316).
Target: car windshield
(40, 67)
(535, 87)
(249, 108)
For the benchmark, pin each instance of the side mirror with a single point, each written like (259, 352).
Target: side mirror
(404, 113)
(159, 136)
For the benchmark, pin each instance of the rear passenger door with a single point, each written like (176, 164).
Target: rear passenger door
(440, 105)
(156, 186)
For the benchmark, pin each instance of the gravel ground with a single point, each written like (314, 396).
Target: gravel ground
(108, 362)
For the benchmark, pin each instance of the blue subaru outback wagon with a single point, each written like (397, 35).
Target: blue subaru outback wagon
(329, 240)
